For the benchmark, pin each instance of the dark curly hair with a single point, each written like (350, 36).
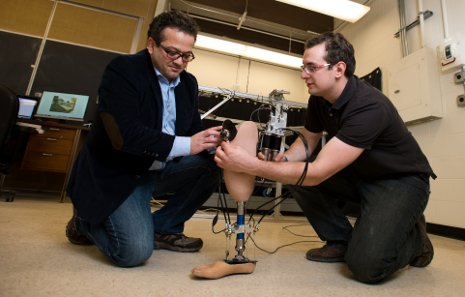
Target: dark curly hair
(172, 19)
(337, 49)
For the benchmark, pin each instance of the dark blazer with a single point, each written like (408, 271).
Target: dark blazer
(127, 134)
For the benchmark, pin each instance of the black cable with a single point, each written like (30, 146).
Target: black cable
(268, 211)
(282, 246)
(223, 207)
(224, 202)
(263, 204)
(282, 199)
(289, 244)
(307, 156)
(295, 234)
(257, 110)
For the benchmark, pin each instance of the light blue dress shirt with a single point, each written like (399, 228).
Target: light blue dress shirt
(182, 144)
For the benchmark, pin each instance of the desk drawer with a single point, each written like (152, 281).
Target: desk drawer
(50, 145)
(57, 133)
(50, 151)
(42, 161)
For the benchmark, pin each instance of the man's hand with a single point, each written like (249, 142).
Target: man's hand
(235, 158)
(278, 158)
(205, 139)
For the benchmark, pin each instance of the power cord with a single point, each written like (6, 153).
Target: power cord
(282, 246)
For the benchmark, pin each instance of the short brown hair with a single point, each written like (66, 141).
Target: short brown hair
(172, 19)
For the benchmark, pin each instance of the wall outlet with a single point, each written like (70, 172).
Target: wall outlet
(461, 100)
(459, 77)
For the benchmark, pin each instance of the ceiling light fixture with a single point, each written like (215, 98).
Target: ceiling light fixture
(342, 9)
(247, 51)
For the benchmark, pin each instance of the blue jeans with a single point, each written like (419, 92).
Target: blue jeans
(126, 236)
(385, 236)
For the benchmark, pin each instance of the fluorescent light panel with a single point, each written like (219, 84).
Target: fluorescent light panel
(342, 9)
(251, 52)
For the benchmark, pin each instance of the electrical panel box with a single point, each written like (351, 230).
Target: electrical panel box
(414, 86)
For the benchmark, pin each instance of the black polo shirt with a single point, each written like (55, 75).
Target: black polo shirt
(364, 117)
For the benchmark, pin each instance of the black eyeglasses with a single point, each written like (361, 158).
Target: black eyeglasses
(174, 54)
(312, 68)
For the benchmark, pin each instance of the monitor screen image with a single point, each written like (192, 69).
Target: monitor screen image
(27, 106)
(62, 106)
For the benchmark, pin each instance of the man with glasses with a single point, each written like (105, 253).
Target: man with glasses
(146, 141)
(369, 159)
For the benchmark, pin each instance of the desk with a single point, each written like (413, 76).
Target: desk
(54, 150)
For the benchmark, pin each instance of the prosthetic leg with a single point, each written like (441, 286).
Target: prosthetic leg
(240, 187)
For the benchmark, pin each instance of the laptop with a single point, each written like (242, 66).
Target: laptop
(27, 106)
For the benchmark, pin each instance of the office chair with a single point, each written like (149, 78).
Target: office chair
(9, 106)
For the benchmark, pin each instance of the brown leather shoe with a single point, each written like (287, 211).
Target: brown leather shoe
(427, 253)
(329, 253)
(73, 234)
(177, 242)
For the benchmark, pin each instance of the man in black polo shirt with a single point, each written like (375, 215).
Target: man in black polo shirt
(370, 159)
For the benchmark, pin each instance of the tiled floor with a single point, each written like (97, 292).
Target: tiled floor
(37, 260)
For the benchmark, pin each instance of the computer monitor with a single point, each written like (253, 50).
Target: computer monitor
(27, 106)
(62, 106)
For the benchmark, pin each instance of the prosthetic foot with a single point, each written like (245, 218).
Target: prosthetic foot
(221, 269)
(240, 187)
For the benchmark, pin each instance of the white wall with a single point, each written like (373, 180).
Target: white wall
(242, 75)
(443, 140)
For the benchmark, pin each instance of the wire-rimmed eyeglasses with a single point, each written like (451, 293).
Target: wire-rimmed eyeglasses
(312, 68)
(174, 54)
